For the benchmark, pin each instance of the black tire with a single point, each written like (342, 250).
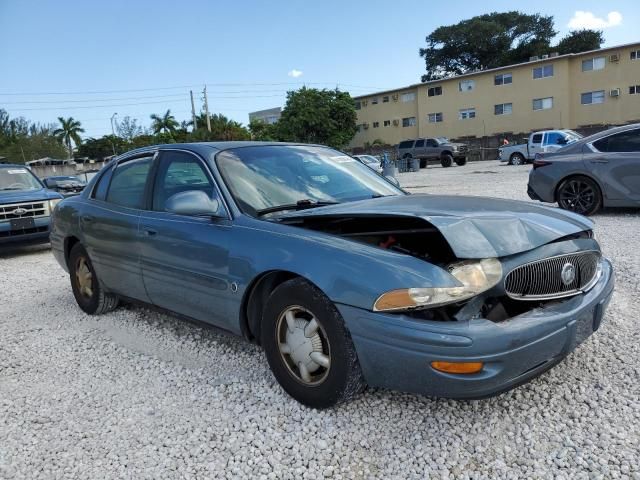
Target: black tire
(342, 380)
(423, 163)
(97, 301)
(461, 162)
(446, 160)
(517, 159)
(579, 194)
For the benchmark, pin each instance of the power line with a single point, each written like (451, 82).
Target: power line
(246, 84)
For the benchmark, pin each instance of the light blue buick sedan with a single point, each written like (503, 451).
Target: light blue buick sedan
(343, 278)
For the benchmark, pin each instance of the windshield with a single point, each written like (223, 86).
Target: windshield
(442, 140)
(18, 178)
(572, 136)
(263, 177)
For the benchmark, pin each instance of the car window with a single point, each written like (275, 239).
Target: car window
(419, 143)
(406, 144)
(18, 178)
(553, 138)
(179, 172)
(537, 138)
(432, 143)
(628, 141)
(100, 190)
(128, 182)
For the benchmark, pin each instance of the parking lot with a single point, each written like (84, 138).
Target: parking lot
(137, 394)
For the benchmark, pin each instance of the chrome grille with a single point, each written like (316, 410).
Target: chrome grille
(542, 279)
(34, 210)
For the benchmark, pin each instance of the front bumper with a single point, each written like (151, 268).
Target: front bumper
(38, 234)
(395, 351)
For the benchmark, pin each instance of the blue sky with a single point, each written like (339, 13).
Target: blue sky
(146, 55)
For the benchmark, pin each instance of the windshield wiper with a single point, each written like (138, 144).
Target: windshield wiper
(299, 205)
(11, 188)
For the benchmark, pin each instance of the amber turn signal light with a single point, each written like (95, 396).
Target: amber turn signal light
(458, 367)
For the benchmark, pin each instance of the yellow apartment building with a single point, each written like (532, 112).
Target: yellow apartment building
(596, 88)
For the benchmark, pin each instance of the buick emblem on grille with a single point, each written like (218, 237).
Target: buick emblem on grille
(18, 212)
(568, 274)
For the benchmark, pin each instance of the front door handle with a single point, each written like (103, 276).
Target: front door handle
(599, 160)
(149, 232)
(87, 218)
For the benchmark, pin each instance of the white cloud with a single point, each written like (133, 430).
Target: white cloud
(582, 19)
(295, 73)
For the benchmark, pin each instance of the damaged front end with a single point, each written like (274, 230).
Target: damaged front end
(494, 288)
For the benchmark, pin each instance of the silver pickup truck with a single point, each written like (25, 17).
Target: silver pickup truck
(439, 149)
(539, 142)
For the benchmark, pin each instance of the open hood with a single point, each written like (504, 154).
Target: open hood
(474, 227)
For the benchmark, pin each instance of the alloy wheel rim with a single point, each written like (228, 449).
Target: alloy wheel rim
(577, 196)
(84, 276)
(303, 346)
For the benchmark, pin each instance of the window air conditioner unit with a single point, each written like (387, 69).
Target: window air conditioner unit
(395, 97)
(615, 92)
(396, 122)
(553, 54)
(614, 57)
(365, 102)
(544, 56)
(365, 126)
(534, 58)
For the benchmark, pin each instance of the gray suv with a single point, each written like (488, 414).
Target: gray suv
(439, 148)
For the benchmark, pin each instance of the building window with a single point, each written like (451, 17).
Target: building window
(385, 99)
(408, 97)
(503, 109)
(543, 72)
(387, 123)
(635, 55)
(434, 91)
(543, 103)
(376, 124)
(357, 105)
(409, 122)
(634, 90)
(434, 117)
(467, 85)
(467, 113)
(590, 98)
(374, 101)
(503, 79)
(593, 64)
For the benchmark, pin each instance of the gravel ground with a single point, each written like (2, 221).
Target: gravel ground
(134, 394)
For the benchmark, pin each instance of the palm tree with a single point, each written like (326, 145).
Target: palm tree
(70, 130)
(165, 123)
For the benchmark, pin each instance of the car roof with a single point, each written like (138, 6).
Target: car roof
(202, 147)
(13, 165)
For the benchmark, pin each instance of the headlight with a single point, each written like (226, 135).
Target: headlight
(53, 202)
(475, 277)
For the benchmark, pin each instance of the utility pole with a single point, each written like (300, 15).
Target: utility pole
(113, 134)
(206, 108)
(193, 112)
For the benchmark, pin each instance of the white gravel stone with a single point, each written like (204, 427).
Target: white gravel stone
(135, 394)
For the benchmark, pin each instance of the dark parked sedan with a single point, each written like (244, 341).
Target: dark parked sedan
(602, 170)
(343, 278)
(67, 185)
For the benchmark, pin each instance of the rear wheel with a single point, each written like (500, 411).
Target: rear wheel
(462, 161)
(308, 347)
(88, 292)
(517, 159)
(446, 160)
(579, 194)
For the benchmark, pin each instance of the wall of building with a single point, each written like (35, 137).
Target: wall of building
(565, 87)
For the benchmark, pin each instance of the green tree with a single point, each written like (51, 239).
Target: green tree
(486, 41)
(222, 129)
(70, 130)
(100, 148)
(129, 128)
(580, 41)
(21, 140)
(263, 131)
(166, 123)
(310, 115)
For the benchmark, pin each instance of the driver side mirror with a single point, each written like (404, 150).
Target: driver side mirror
(562, 141)
(193, 202)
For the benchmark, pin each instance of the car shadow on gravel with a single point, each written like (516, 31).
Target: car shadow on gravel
(12, 251)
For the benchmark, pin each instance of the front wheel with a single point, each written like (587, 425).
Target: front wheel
(446, 160)
(88, 292)
(517, 159)
(579, 194)
(308, 347)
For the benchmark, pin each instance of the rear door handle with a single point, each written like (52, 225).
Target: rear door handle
(149, 232)
(599, 160)
(87, 218)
